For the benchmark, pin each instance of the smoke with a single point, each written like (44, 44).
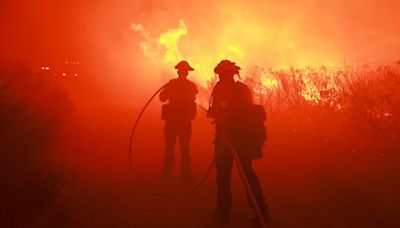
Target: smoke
(275, 34)
(127, 49)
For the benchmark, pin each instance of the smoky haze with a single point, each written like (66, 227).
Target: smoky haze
(99, 78)
(274, 33)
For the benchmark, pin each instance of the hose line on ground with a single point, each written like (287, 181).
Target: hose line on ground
(132, 166)
(203, 179)
(246, 183)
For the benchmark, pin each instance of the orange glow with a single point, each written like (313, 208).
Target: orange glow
(170, 41)
(169, 49)
(75, 75)
(269, 83)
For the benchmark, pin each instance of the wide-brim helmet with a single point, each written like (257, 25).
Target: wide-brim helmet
(226, 66)
(184, 65)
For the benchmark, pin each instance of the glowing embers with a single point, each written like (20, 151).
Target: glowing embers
(310, 92)
(71, 74)
(63, 69)
(269, 83)
(72, 62)
(322, 85)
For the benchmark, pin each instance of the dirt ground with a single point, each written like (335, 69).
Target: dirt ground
(304, 186)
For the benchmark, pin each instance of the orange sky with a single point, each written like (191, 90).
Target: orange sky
(356, 30)
(273, 33)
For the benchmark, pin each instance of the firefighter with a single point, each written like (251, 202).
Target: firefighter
(180, 109)
(240, 122)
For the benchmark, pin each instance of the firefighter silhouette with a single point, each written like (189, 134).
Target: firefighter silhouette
(240, 122)
(180, 109)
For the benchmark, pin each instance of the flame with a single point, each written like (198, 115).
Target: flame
(169, 48)
(269, 83)
(167, 43)
(310, 92)
(170, 41)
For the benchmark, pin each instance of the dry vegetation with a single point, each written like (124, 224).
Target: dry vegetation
(361, 100)
(30, 113)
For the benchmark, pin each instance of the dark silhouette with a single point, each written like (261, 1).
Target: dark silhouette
(177, 114)
(240, 122)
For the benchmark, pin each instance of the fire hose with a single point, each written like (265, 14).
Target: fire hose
(246, 183)
(203, 179)
(132, 166)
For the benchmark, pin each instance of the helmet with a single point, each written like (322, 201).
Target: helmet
(184, 65)
(227, 66)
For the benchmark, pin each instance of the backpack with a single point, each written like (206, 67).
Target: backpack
(246, 129)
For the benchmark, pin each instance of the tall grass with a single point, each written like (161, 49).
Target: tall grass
(362, 100)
